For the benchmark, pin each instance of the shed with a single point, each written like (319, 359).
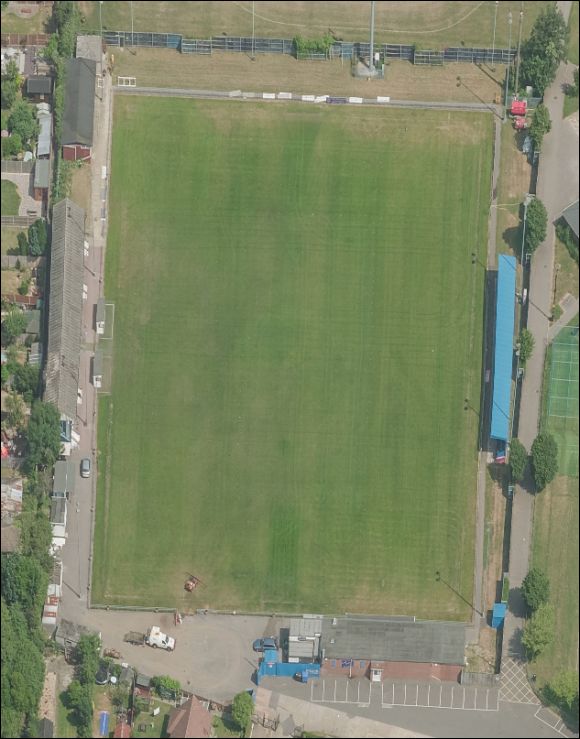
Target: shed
(63, 483)
(45, 728)
(504, 342)
(122, 729)
(98, 369)
(79, 108)
(41, 178)
(100, 316)
(33, 326)
(519, 107)
(44, 135)
(35, 353)
(37, 86)
(68, 634)
(498, 615)
(143, 681)
(58, 511)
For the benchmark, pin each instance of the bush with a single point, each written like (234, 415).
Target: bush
(11, 146)
(541, 125)
(544, 460)
(536, 589)
(22, 244)
(166, 686)
(536, 225)
(26, 380)
(23, 121)
(23, 287)
(539, 631)
(37, 238)
(563, 690)
(242, 709)
(526, 343)
(518, 459)
(14, 324)
(43, 435)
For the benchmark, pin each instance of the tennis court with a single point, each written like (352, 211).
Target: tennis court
(562, 416)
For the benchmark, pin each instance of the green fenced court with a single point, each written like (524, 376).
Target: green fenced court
(562, 406)
(298, 322)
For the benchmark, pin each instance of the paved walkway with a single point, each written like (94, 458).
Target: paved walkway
(569, 304)
(557, 187)
(24, 184)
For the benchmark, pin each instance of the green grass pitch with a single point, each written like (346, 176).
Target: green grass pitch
(297, 324)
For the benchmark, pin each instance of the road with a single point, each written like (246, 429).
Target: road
(557, 187)
(76, 555)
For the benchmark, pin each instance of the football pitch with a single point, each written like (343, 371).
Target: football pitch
(298, 323)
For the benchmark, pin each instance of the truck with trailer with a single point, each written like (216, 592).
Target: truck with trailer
(154, 637)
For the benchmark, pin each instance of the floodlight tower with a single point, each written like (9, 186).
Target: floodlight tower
(507, 79)
(493, 39)
(372, 41)
(519, 45)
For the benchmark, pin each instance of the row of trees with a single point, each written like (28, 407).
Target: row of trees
(544, 458)
(543, 51)
(79, 695)
(538, 635)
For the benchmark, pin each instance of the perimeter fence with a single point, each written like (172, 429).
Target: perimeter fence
(336, 50)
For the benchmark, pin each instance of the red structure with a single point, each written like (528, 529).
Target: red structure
(519, 107)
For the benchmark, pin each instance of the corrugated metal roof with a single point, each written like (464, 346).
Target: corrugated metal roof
(58, 511)
(397, 641)
(306, 649)
(305, 627)
(65, 307)
(79, 102)
(98, 363)
(42, 173)
(504, 343)
(100, 317)
(43, 145)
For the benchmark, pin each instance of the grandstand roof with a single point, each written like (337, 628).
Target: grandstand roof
(79, 102)
(504, 348)
(398, 640)
(65, 307)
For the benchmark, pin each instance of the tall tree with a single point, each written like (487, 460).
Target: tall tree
(541, 125)
(536, 225)
(539, 631)
(242, 709)
(536, 588)
(25, 382)
(563, 689)
(43, 435)
(23, 121)
(518, 459)
(24, 583)
(544, 460)
(543, 51)
(13, 325)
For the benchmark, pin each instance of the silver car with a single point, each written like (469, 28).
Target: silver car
(85, 467)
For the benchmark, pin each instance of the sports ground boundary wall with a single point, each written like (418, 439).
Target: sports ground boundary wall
(337, 50)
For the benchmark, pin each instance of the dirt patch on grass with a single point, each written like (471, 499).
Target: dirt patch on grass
(269, 73)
